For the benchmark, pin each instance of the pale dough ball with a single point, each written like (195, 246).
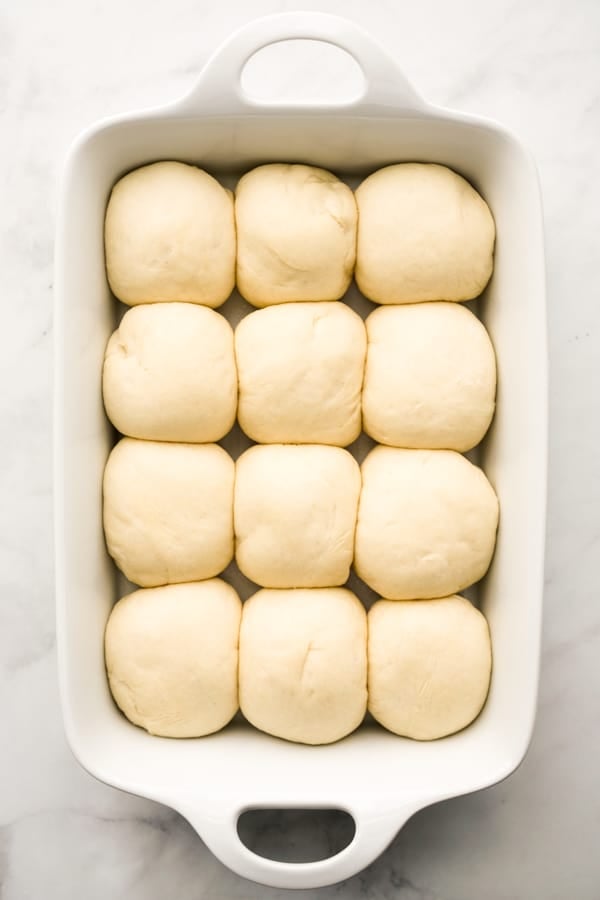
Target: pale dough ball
(429, 665)
(295, 514)
(423, 234)
(168, 511)
(172, 657)
(303, 663)
(430, 377)
(300, 369)
(296, 231)
(169, 234)
(170, 374)
(427, 523)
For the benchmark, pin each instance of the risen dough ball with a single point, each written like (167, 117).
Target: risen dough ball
(169, 234)
(296, 229)
(429, 665)
(423, 234)
(168, 511)
(427, 523)
(300, 369)
(170, 374)
(295, 515)
(430, 378)
(303, 664)
(172, 657)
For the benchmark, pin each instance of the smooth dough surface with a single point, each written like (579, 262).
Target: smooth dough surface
(172, 657)
(168, 511)
(424, 233)
(169, 234)
(295, 514)
(430, 377)
(303, 663)
(429, 665)
(296, 232)
(427, 523)
(300, 369)
(170, 374)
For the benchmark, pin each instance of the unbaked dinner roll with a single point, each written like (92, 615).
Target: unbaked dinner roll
(300, 369)
(170, 374)
(172, 657)
(429, 665)
(303, 663)
(296, 231)
(295, 514)
(426, 525)
(168, 511)
(423, 234)
(430, 377)
(169, 234)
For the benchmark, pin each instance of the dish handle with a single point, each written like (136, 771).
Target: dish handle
(219, 89)
(372, 836)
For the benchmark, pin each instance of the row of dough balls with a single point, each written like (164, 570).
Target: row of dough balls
(303, 665)
(417, 376)
(417, 524)
(411, 232)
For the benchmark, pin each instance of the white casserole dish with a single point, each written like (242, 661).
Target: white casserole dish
(380, 779)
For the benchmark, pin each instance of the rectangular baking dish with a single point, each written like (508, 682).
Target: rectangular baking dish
(380, 779)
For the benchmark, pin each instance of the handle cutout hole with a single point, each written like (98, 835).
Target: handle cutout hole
(302, 72)
(296, 835)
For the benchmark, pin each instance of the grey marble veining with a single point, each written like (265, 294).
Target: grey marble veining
(534, 66)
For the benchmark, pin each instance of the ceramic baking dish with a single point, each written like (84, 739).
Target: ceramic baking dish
(378, 778)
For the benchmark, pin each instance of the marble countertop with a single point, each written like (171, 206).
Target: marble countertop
(534, 66)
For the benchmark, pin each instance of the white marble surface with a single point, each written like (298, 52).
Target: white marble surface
(536, 67)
